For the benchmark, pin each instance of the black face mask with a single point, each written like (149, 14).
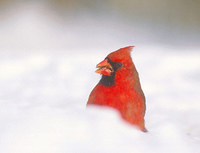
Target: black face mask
(110, 80)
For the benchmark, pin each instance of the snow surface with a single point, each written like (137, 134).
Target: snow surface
(44, 91)
(43, 102)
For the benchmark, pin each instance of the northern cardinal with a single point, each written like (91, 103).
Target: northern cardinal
(120, 87)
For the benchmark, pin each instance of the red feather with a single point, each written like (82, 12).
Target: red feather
(125, 94)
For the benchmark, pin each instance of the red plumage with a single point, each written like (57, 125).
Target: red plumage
(120, 87)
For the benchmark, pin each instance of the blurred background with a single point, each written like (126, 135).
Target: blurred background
(33, 25)
(48, 53)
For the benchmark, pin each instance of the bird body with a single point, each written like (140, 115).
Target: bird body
(120, 87)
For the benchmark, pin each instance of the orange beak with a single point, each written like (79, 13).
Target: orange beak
(104, 68)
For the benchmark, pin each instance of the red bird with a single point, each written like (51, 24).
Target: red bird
(120, 87)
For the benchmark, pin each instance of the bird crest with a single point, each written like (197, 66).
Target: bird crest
(122, 54)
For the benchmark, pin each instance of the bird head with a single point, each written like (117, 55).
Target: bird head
(114, 61)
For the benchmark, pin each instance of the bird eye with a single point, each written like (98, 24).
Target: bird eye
(118, 65)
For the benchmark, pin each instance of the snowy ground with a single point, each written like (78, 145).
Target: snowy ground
(47, 74)
(43, 100)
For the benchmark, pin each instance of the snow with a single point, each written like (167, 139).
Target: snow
(43, 96)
